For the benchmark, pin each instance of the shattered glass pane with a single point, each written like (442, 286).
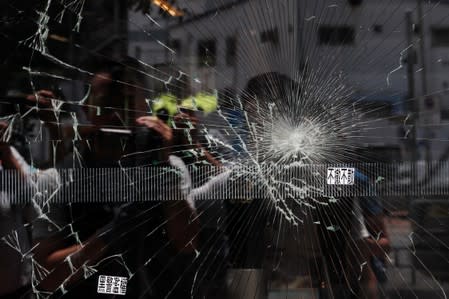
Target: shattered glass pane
(224, 149)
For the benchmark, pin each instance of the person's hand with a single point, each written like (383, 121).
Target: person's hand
(185, 120)
(41, 97)
(157, 125)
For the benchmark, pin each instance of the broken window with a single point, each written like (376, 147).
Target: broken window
(224, 149)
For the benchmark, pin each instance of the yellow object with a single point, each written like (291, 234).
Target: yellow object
(166, 104)
(202, 101)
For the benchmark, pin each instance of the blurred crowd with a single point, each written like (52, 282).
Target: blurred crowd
(167, 249)
(154, 241)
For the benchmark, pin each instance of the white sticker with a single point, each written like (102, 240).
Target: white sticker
(340, 176)
(115, 285)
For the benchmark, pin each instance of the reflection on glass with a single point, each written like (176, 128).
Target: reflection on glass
(224, 149)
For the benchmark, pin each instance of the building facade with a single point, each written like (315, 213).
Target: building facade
(368, 45)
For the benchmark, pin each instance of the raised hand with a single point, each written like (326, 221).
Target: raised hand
(157, 125)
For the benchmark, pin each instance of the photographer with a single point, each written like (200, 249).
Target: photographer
(371, 238)
(125, 235)
(62, 254)
(15, 265)
(14, 273)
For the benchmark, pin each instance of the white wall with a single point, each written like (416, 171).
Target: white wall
(363, 66)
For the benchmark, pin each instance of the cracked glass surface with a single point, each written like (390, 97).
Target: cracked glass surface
(224, 149)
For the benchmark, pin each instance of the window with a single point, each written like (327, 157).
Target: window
(138, 52)
(355, 2)
(175, 45)
(377, 28)
(416, 29)
(336, 35)
(440, 37)
(270, 36)
(206, 52)
(444, 114)
(375, 109)
(231, 51)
